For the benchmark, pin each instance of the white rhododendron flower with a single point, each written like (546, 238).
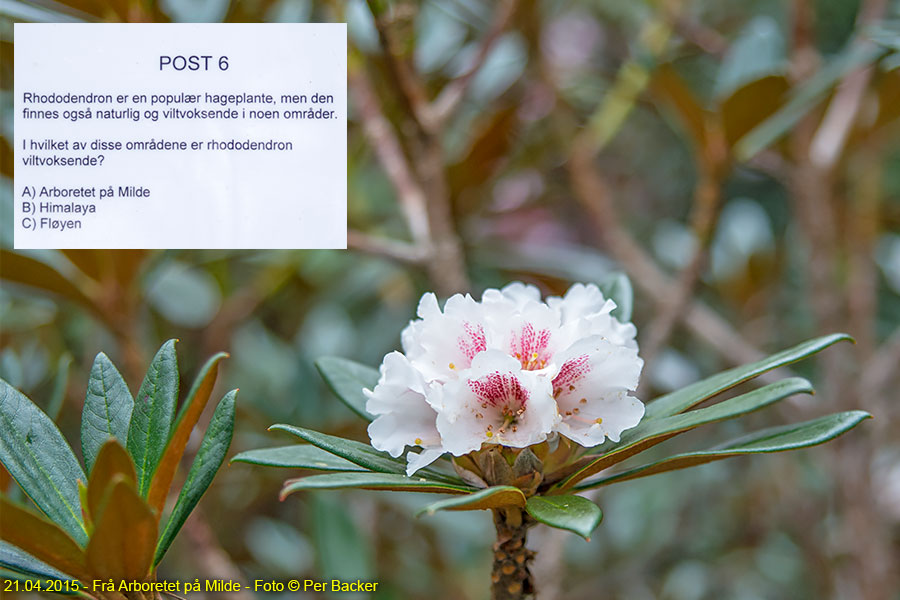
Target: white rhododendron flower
(509, 370)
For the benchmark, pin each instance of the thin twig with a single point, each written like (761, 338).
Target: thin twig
(412, 92)
(390, 153)
(402, 252)
(454, 92)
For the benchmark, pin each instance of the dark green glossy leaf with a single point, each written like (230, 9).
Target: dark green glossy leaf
(572, 513)
(691, 395)
(371, 481)
(154, 411)
(650, 433)
(37, 456)
(617, 287)
(207, 462)
(775, 439)
(298, 456)
(347, 379)
(190, 412)
(360, 454)
(107, 409)
(493, 497)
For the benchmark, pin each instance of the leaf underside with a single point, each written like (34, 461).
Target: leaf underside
(371, 481)
(493, 497)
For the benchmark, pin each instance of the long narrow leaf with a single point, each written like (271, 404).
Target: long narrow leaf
(347, 378)
(500, 496)
(121, 547)
(360, 454)
(37, 456)
(41, 538)
(15, 559)
(207, 462)
(775, 439)
(653, 432)
(298, 456)
(154, 409)
(371, 481)
(683, 399)
(188, 416)
(107, 409)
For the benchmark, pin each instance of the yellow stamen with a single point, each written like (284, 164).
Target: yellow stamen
(418, 441)
(598, 420)
(452, 366)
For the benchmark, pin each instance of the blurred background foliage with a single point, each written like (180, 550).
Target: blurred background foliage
(740, 161)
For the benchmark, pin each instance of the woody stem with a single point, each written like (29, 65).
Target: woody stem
(511, 577)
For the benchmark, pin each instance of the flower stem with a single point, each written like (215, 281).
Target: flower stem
(511, 578)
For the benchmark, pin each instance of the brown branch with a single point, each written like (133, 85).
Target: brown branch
(454, 92)
(390, 153)
(396, 250)
(412, 92)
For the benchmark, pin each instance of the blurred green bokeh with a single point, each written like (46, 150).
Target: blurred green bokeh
(689, 143)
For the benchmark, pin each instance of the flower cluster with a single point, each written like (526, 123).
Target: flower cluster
(509, 370)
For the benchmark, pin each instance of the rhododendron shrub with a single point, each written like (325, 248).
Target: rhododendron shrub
(517, 405)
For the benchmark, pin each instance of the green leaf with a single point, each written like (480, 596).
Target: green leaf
(776, 439)
(17, 560)
(107, 409)
(617, 287)
(297, 456)
(572, 513)
(360, 454)
(37, 456)
(650, 433)
(207, 462)
(691, 395)
(371, 481)
(188, 416)
(347, 379)
(493, 497)
(154, 409)
(806, 97)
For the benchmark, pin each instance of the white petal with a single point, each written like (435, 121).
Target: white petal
(417, 460)
(393, 432)
(444, 343)
(591, 391)
(581, 301)
(496, 402)
(616, 411)
(400, 386)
